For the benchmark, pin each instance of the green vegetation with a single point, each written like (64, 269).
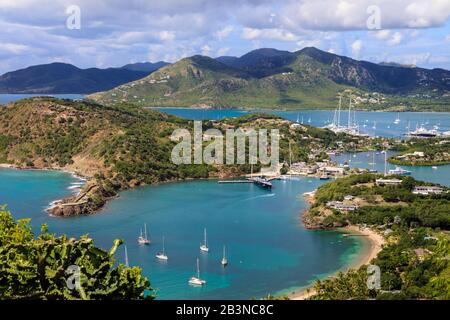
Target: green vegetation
(404, 273)
(435, 152)
(305, 79)
(41, 267)
(124, 146)
(380, 205)
(414, 263)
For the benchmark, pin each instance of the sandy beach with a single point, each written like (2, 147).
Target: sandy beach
(375, 243)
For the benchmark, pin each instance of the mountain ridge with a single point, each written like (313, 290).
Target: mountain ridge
(59, 78)
(271, 78)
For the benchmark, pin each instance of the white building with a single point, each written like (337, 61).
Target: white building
(388, 182)
(426, 190)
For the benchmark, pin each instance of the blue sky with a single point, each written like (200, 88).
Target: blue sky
(115, 32)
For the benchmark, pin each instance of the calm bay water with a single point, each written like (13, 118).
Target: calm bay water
(439, 175)
(382, 121)
(268, 248)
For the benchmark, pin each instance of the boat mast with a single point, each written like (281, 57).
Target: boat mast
(385, 162)
(373, 161)
(205, 238)
(290, 156)
(198, 269)
(126, 257)
(145, 231)
(339, 112)
(164, 249)
(349, 122)
(224, 252)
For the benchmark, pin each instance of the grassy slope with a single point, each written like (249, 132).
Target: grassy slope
(201, 81)
(123, 146)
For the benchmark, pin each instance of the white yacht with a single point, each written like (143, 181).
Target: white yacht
(204, 246)
(397, 120)
(422, 132)
(196, 280)
(143, 239)
(162, 255)
(224, 261)
(399, 171)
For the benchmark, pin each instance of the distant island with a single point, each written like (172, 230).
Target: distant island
(283, 80)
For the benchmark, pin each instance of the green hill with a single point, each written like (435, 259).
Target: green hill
(269, 78)
(123, 146)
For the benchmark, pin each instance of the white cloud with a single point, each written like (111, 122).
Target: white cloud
(167, 35)
(309, 43)
(395, 39)
(356, 47)
(114, 32)
(352, 14)
(206, 50)
(223, 33)
(272, 34)
(13, 48)
(223, 51)
(382, 34)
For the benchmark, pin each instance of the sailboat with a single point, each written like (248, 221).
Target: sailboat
(162, 255)
(196, 280)
(397, 120)
(374, 125)
(298, 116)
(204, 246)
(143, 238)
(224, 261)
(126, 257)
(373, 170)
(309, 120)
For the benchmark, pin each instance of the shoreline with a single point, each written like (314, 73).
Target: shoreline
(83, 179)
(374, 245)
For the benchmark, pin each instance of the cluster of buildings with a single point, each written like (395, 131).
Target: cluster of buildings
(426, 190)
(341, 206)
(408, 156)
(320, 167)
(388, 182)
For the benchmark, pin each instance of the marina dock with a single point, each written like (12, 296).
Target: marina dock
(234, 181)
(262, 182)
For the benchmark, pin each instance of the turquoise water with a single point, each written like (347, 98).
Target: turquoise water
(6, 98)
(383, 120)
(440, 175)
(268, 249)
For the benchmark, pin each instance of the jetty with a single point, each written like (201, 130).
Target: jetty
(259, 181)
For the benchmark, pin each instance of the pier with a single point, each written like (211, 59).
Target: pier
(262, 182)
(234, 181)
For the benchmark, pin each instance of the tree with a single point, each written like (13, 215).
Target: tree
(56, 268)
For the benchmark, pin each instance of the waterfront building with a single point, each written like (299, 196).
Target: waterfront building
(426, 190)
(388, 182)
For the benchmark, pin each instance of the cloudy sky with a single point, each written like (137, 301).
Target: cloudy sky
(116, 32)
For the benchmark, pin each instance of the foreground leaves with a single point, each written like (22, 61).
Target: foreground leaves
(43, 268)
